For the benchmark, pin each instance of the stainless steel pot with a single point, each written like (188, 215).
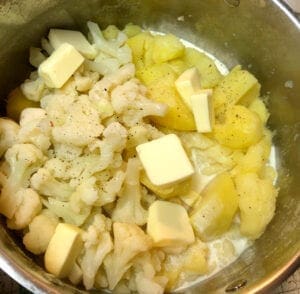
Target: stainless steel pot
(262, 35)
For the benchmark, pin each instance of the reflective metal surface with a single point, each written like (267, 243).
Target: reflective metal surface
(261, 35)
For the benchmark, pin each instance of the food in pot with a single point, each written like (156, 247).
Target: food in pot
(132, 163)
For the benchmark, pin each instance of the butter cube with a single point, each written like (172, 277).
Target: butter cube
(63, 249)
(169, 225)
(165, 160)
(202, 107)
(188, 84)
(76, 39)
(60, 66)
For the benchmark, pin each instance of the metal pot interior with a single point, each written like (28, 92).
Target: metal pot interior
(260, 35)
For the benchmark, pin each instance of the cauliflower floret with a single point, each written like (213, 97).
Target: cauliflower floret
(35, 128)
(103, 66)
(29, 205)
(97, 244)
(81, 126)
(86, 80)
(67, 151)
(44, 182)
(112, 48)
(57, 107)
(129, 100)
(190, 263)
(114, 141)
(86, 192)
(24, 160)
(64, 210)
(36, 57)
(102, 89)
(129, 208)
(33, 89)
(41, 230)
(109, 190)
(129, 241)
(8, 134)
(144, 279)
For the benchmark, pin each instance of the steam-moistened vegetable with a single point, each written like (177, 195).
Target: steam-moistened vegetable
(132, 163)
(214, 214)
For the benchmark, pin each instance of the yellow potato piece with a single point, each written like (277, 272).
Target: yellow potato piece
(160, 79)
(214, 214)
(132, 30)
(241, 128)
(259, 107)
(166, 47)
(16, 102)
(256, 157)
(209, 73)
(257, 200)
(239, 86)
(139, 44)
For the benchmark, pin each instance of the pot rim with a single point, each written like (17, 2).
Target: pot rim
(33, 283)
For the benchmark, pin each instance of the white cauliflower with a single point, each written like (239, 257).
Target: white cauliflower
(145, 268)
(41, 230)
(35, 128)
(65, 211)
(57, 107)
(102, 89)
(29, 205)
(33, 89)
(8, 134)
(114, 48)
(67, 151)
(81, 126)
(87, 191)
(129, 241)
(129, 208)
(86, 80)
(36, 57)
(108, 192)
(23, 160)
(130, 100)
(190, 263)
(45, 183)
(97, 244)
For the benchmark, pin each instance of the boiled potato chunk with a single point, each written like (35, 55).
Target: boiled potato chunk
(256, 157)
(209, 73)
(238, 86)
(132, 30)
(160, 79)
(259, 107)
(141, 44)
(214, 215)
(257, 200)
(166, 47)
(241, 128)
(16, 102)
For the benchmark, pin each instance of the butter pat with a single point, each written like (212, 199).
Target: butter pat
(60, 66)
(188, 84)
(76, 39)
(202, 107)
(165, 160)
(63, 249)
(169, 225)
